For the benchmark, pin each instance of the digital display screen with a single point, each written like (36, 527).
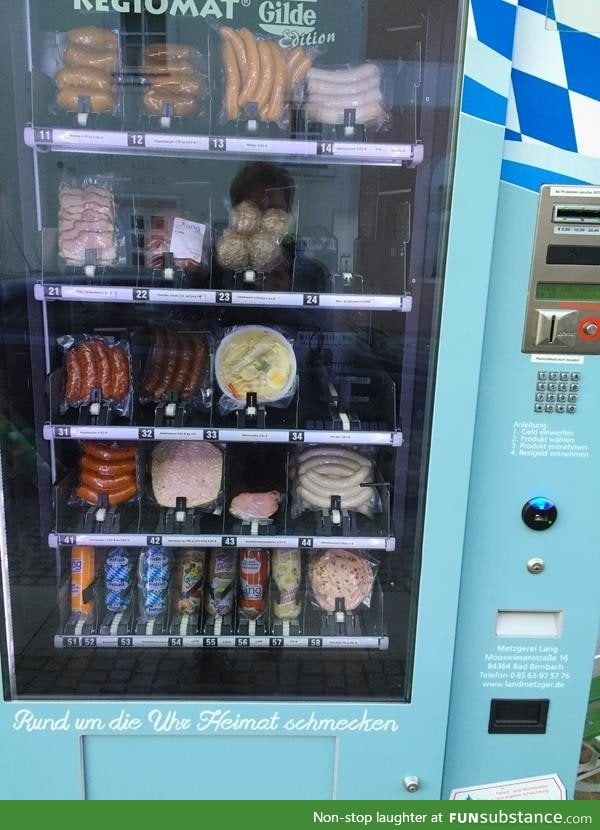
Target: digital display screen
(577, 291)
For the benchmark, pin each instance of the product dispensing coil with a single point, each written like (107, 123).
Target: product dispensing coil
(563, 306)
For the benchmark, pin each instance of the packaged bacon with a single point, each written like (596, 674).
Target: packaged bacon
(254, 582)
(87, 224)
(96, 368)
(178, 240)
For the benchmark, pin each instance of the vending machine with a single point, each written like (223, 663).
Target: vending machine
(246, 257)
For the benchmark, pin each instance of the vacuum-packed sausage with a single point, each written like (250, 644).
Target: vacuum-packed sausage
(156, 99)
(83, 78)
(184, 363)
(232, 81)
(267, 76)
(197, 369)
(183, 84)
(239, 50)
(108, 468)
(157, 69)
(157, 363)
(102, 380)
(250, 85)
(79, 56)
(169, 52)
(87, 361)
(94, 37)
(166, 381)
(91, 496)
(354, 74)
(103, 484)
(323, 114)
(100, 100)
(108, 452)
(275, 109)
(73, 378)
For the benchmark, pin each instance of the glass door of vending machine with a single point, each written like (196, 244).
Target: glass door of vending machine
(237, 393)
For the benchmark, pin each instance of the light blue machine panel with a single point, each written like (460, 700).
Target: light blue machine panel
(529, 606)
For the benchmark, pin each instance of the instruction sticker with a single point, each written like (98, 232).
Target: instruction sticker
(541, 788)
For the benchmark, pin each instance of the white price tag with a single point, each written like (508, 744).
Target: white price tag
(182, 143)
(187, 239)
(89, 138)
(182, 296)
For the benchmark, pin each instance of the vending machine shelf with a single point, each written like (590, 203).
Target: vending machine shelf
(199, 641)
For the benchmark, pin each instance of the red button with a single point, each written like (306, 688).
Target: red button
(590, 329)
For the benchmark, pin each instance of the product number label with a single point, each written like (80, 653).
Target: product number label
(224, 297)
(315, 642)
(136, 139)
(53, 291)
(70, 642)
(175, 642)
(242, 642)
(125, 642)
(67, 539)
(44, 136)
(154, 541)
(146, 434)
(62, 432)
(229, 542)
(88, 642)
(211, 434)
(276, 642)
(219, 145)
(305, 542)
(210, 642)
(325, 148)
(312, 300)
(296, 437)
(141, 295)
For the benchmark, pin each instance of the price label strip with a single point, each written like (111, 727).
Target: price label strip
(221, 642)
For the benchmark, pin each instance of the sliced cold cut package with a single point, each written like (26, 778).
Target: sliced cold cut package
(341, 576)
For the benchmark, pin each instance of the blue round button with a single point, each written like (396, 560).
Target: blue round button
(539, 513)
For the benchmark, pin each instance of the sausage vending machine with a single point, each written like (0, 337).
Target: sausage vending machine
(246, 252)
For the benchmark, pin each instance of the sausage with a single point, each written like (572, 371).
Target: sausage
(300, 71)
(232, 81)
(102, 484)
(157, 69)
(158, 362)
(239, 50)
(328, 452)
(103, 368)
(91, 496)
(107, 468)
(89, 372)
(321, 114)
(100, 100)
(166, 380)
(254, 581)
(108, 452)
(169, 52)
(155, 100)
(73, 378)
(322, 499)
(200, 358)
(267, 76)
(184, 363)
(94, 37)
(250, 85)
(333, 89)
(119, 367)
(78, 56)
(354, 74)
(275, 109)
(88, 78)
(349, 100)
(184, 84)
(293, 58)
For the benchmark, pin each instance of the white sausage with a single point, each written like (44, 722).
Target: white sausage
(346, 484)
(349, 101)
(340, 452)
(321, 500)
(358, 88)
(335, 115)
(354, 74)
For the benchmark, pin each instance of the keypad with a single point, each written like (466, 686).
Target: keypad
(557, 392)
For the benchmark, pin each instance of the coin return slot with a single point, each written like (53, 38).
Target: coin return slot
(518, 717)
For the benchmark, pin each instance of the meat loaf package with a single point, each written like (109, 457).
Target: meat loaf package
(88, 78)
(107, 470)
(179, 363)
(220, 583)
(88, 233)
(319, 473)
(155, 568)
(260, 77)
(255, 359)
(173, 233)
(173, 81)
(341, 580)
(97, 368)
(192, 470)
(286, 566)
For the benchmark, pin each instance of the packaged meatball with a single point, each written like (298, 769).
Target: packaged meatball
(97, 369)
(341, 580)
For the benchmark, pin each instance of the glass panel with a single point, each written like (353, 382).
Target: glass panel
(221, 287)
